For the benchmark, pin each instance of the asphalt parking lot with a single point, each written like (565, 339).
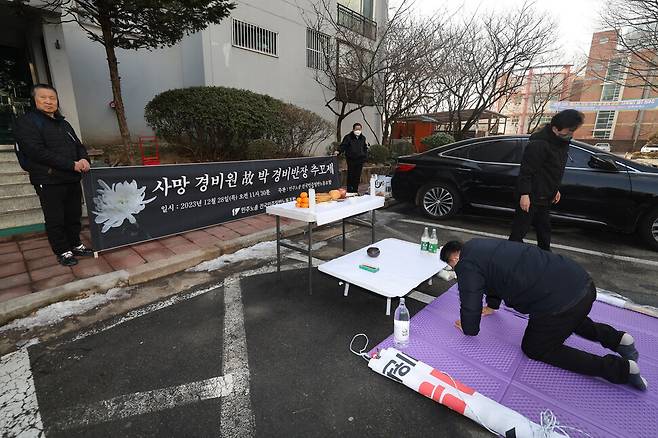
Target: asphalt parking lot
(248, 353)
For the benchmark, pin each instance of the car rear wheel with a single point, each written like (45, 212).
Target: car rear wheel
(439, 200)
(648, 229)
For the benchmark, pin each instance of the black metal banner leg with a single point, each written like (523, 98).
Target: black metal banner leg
(310, 259)
(278, 246)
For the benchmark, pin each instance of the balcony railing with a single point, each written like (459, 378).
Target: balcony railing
(356, 22)
(351, 91)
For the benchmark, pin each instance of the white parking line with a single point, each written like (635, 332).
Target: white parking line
(139, 403)
(553, 245)
(19, 409)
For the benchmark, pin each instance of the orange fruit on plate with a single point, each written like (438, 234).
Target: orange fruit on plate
(304, 195)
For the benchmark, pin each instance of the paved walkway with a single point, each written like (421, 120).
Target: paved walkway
(29, 265)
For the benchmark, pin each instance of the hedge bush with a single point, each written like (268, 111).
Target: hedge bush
(379, 153)
(401, 148)
(218, 123)
(262, 149)
(300, 131)
(438, 139)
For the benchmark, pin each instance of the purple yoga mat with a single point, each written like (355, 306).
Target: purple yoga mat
(493, 364)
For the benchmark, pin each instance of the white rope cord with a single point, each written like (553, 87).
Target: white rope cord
(360, 353)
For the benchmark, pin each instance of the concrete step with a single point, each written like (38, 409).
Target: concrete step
(10, 166)
(6, 147)
(14, 178)
(20, 189)
(7, 156)
(21, 218)
(19, 203)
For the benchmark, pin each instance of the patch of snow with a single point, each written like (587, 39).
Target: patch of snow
(56, 312)
(262, 250)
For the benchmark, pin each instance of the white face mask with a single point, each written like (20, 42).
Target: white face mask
(357, 133)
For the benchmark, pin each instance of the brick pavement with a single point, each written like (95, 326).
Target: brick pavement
(29, 265)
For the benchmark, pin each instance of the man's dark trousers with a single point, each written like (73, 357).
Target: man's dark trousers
(62, 209)
(545, 335)
(539, 216)
(354, 168)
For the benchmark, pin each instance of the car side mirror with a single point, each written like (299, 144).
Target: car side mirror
(603, 162)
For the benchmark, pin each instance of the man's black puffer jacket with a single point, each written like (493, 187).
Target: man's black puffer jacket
(542, 167)
(51, 147)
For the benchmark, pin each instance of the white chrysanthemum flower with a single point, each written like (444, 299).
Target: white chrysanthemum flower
(117, 203)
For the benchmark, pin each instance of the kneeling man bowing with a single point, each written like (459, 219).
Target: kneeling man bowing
(554, 291)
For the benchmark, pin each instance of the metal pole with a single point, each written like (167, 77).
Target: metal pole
(278, 247)
(372, 223)
(310, 259)
(343, 234)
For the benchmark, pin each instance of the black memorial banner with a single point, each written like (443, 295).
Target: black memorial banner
(134, 204)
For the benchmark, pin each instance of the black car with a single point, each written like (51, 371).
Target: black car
(598, 188)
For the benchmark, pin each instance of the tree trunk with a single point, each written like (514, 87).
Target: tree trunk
(386, 134)
(115, 79)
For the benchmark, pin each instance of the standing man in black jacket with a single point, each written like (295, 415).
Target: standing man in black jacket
(554, 291)
(55, 160)
(355, 148)
(541, 173)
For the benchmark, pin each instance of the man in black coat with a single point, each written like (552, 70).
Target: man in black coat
(554, 291)
(355, 148)
(541, 173)
(55, 159)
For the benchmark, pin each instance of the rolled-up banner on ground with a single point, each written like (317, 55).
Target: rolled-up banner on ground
(139, 203)
(443, 389)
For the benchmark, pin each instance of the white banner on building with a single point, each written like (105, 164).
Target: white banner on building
(614, 105)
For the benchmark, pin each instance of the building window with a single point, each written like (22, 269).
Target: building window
(363, 7)
(250, 37)
(317, 49)
(603, 40)
(616, 70)
(353, 20)
(603, 125)
(610, 92)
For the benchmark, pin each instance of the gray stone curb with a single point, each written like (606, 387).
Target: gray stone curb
(23, 306)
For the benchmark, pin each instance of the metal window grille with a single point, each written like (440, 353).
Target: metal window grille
(616, 70)
(317, 47)
(611, 92)
(251, 37)
(603, 125)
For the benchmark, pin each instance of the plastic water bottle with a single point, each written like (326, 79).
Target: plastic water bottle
(311, 199)
(401, 325)
(425, 240)
(373, 178)
(434, 243)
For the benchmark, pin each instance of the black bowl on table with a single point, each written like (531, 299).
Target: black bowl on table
(373, 251)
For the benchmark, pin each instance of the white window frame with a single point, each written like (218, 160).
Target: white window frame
(316, 54)
(248, 36)
(607, 132)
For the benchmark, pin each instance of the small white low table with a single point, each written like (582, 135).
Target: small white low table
(402, 267)
(323, 213)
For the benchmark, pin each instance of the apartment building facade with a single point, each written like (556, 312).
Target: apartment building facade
(612, 93)
(528, 108)
(264, 46)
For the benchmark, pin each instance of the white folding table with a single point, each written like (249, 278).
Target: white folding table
(402, 267)
(324, 213)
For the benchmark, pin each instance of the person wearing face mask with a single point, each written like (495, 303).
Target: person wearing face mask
(355, 148)
(540, 176)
